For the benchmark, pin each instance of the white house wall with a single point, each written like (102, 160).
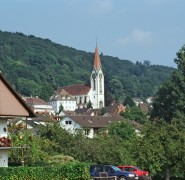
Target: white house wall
(71, 128)
(3, 158)
(67, 105)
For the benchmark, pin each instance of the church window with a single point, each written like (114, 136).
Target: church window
(100, 104)
(94, 84)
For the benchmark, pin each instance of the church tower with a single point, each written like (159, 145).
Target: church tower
(97, 83)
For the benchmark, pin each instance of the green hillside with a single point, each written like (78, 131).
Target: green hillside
(36, 67)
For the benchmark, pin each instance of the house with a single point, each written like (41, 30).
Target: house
(81, 93)
(11, 106)
(89, 124)
(63, 99)
(38, 105)
(30, 124)
(137, 101)
(116, 108)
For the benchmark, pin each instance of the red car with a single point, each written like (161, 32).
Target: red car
(134, 170)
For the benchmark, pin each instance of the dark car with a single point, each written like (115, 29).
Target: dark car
(109, 170)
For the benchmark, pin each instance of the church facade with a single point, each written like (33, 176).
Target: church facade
(82, 94)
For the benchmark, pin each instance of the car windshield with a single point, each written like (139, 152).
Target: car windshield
(116, 168)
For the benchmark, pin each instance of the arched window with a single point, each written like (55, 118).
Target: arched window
(94, 84)
(100, 104)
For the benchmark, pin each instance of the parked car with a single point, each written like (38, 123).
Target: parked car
(134, 170)
(109, 170)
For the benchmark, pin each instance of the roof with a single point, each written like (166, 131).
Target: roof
(76, 89)
(35, 101)
(95, 121)
(62, 95)
(115, 108)
(143, 107)
(11, 103)
(136, 125)
(87, 111)
(97, 62)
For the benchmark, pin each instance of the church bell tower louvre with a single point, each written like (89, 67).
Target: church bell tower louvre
(97, 83)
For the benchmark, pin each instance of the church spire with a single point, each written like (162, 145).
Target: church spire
(97, 62)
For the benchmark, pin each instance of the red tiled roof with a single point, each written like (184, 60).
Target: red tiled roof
(76, 89)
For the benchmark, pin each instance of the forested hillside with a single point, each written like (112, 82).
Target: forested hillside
(36, 67)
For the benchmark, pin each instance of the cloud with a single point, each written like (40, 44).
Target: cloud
(137, 36)
(104, 6)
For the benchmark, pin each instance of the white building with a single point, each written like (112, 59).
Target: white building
(38, 105)
(81, 93)
(64, 99)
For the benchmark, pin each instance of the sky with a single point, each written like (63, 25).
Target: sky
(134, 30)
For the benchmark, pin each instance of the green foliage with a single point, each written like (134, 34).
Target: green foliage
(68, 171)
(103, 111)
(60, 159)
(122, 129)
(116, 89)
(161, 148)
(27, 149)
(129, 102)
(36, 67)
(61, 108)
(134, 113)
(89, 104)
(170, 99)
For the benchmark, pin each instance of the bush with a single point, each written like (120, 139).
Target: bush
(70, 171)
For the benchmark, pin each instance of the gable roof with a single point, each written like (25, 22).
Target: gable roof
(11, 103)
(76, 89)
(115, 108)
(95, 121)
(35, 101)
(62, 95)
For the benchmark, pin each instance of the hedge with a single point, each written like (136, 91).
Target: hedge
(70, 171)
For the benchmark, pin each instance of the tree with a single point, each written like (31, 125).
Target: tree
(122, 129)
(89, 105)
(169, 102)
(116, 89)
(135, 114)
(61, 108)
(161, 148)
(129, 102)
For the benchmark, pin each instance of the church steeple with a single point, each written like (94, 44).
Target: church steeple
(97, 62)
(97, 83)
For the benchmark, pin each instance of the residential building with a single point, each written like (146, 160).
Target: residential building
(11, 106)
(38, 105)
(90, 125)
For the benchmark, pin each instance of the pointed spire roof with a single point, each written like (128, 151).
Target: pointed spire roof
(97, 62)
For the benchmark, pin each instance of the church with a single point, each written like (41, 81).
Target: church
(79, 95)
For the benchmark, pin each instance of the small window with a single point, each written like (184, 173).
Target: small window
(4, 129)
(68, 122)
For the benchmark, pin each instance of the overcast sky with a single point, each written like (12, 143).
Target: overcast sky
(135, 30)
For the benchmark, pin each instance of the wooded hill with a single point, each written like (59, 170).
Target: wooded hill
(36, 67)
